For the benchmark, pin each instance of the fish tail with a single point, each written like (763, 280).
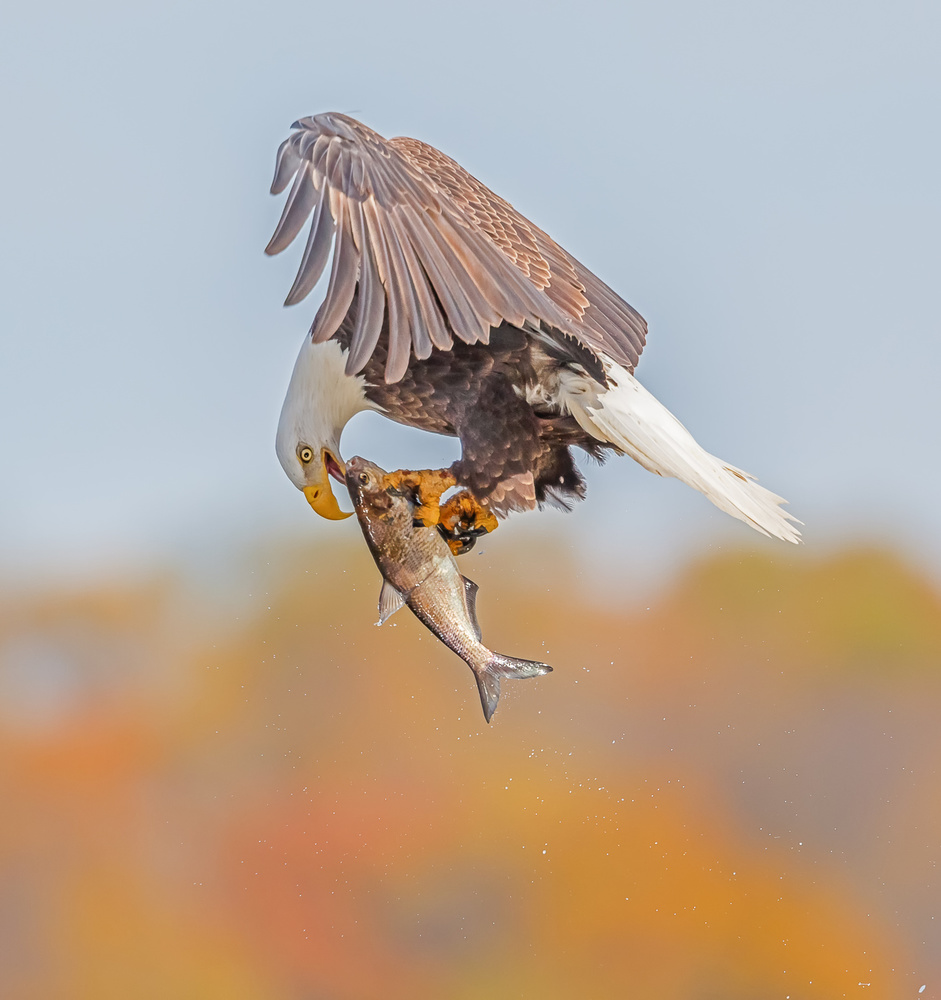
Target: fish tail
(499, 666)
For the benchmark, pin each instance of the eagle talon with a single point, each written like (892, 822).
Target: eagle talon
(463, 519)
(459, 544)
(426, 487)
(425, 516)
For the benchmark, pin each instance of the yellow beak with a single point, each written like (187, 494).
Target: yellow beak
(320, 497)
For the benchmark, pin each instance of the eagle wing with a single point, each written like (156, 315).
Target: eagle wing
(428, 243)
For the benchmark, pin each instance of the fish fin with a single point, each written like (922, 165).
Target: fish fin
(488, 679)
(470, 599)
(488, 685)
(390, 600)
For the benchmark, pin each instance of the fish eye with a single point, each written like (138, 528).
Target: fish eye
(305, 455)
(363, 477)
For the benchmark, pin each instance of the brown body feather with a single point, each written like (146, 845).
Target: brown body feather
(515, 454)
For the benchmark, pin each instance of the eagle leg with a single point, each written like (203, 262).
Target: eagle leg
(463, 519)
(426, 486)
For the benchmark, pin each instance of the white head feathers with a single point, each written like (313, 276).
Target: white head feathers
(320, 400)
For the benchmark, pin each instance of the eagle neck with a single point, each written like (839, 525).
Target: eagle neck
(320, 401)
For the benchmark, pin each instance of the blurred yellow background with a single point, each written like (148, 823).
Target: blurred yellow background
(246, 790)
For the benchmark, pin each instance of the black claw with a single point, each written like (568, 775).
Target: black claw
(467, 538)
(467, 543)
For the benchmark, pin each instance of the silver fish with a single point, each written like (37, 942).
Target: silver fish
(419, 571)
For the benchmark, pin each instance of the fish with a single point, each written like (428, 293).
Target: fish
(420, 572)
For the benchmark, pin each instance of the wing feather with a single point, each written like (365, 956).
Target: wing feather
(445, 285)
(435, 253)
(315, 253)
(502, 302)
(343, 277)
(400, 338)
(438, 333)
(448, 287)
(401, 280)
(370, 311)
(297, 208)
(461, 263)
(286, 165)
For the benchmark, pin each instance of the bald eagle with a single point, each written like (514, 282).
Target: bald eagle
(449, 311)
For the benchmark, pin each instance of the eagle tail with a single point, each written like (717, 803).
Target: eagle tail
(636, 422)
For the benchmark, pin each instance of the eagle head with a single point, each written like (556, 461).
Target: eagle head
(320, 401)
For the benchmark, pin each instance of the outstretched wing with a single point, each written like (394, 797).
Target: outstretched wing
(432, 246)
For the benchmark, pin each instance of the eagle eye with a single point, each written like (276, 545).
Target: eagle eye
(305, 455)
(363, 478)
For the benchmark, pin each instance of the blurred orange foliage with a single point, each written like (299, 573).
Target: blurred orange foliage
(729, 795)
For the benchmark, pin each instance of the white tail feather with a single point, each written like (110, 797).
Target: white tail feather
(636, 422)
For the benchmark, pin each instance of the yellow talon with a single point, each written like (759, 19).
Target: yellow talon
(464, 514)
(463, 519)
(426, 486)
(457, 546)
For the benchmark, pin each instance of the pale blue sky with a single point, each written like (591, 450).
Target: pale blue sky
(760, 180)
